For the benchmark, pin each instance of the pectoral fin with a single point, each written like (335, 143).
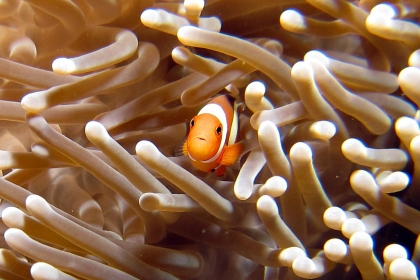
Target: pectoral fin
(181, 150)
(231, 154)
(185, 149)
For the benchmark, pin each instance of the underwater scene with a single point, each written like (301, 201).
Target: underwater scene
(218, 139)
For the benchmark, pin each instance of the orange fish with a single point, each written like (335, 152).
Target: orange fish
(211, 142)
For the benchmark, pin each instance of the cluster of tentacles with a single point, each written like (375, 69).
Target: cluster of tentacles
(95, 97)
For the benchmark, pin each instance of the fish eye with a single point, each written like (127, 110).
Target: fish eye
(213, 170)
(192, 122)
(219, 130)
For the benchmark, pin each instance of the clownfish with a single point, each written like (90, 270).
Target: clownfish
(211, 143)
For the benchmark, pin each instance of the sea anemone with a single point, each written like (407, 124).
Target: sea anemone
(95, 100)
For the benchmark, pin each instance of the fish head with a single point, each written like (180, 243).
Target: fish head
(205, 136)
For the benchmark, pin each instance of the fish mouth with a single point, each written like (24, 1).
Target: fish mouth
(201, 138)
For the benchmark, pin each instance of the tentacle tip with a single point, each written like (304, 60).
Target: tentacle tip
(384, 10)
(34, 199)
(316, 56)
(185, 32)
(361, 241)
(291, 16)
(63, 66)
(373, 21)
(147, 151)
(300, 152)
(149, 17)
(149, 202)
(266, 127)
(11, 233)
(95, 130)
(33, 102)
(353, 149)
(302, 71)
(242, 195)
(303, 267)
(267, 204)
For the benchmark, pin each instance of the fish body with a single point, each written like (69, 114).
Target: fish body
(211, 142)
